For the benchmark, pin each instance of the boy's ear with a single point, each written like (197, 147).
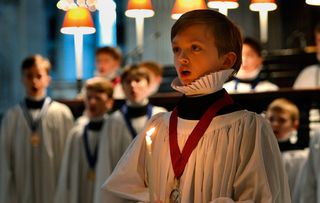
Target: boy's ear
(49, 79)
(228, 60)
(109, 104)
(296, 124)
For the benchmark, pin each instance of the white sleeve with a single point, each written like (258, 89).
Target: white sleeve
(68, 181)
(308, 180)
(260, 175)
(7, 185)
(130, 169)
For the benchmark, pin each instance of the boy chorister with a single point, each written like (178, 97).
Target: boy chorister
(86, 161)
(207, 149)
(33, 136)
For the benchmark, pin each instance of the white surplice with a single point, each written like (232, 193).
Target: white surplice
(236, 160)
(113, 140)
(308, 186)
(30, 174)
(309, 77)
(242, 87)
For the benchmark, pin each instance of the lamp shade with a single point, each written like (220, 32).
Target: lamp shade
(182, 6)
(263, 5)
(139, 8)
(229, 4)
(313, 2)
(78, 20)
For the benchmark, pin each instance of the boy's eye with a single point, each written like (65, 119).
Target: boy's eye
(175, 49)
(195, 48)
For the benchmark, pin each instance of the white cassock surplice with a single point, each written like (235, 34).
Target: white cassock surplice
(242, 87)
(308, 186)
(30, 174)
(113, 139)
(294, 162)
(236, 160)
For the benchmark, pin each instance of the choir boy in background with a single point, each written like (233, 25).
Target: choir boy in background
(131, 118)
(250, 77)
(309, 185)
(85, 162)
(33, 136)
(108, 65)
(155, 71)
(207, 149)
(284, 119)
(309, 78)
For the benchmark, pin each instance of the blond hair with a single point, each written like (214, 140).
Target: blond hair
(99, 84)
(36, 60)
(282, 104)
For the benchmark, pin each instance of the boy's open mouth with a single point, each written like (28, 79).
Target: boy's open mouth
(185, 73)
(34, 89)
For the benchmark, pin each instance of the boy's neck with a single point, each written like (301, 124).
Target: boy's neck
(36, 98)
(137, 104)
(98, 117)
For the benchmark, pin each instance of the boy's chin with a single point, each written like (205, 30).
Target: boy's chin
(36, 96)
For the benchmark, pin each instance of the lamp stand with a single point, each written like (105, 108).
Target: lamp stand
(78, 46)
(263, 18)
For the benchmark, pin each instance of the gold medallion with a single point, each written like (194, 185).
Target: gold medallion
(175, 196)
(91, 175)
(35, 139)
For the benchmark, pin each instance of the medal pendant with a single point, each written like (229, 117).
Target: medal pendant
(175, 195)
(91, 175)
(35, 139)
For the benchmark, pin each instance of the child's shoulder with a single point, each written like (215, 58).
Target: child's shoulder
(59, 107)
(158, 109)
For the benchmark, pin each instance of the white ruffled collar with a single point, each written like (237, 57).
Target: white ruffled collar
(204, 85)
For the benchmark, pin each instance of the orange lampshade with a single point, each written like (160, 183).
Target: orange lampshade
(78, 20)
(182, 6)
(229, 4)
(139, 8)
(263, 5)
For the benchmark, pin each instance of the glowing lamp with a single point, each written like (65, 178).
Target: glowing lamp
(263, 7)
(223, 5)
(182, 6)
(313, 2)
(139, 9)
(77, 22)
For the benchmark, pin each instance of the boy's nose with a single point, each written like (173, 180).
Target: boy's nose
(183, 58)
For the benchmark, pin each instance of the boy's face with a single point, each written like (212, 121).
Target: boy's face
(250, 59)
(155, 80)
(195, 53)
(106, 64)
(281, 123)
(35, 80)
(97, 103)
(136, 89)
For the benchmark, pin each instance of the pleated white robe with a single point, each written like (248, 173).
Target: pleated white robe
(242, 87)
(237, 160)
(114, 138)
(28, 174)
(309, 184)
